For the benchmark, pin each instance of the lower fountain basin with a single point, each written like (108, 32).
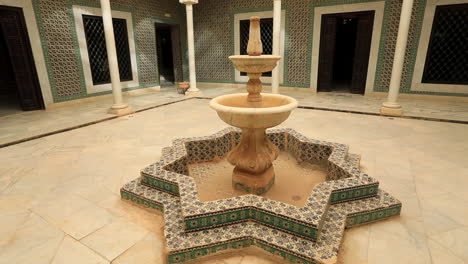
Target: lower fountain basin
(235, 110)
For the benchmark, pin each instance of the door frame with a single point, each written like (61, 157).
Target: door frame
(179, 48)
(29, 68)
(36, 45)
(378, 8)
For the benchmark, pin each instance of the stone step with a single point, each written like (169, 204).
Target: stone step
(354, 160)
(346, 183)
(184, 246)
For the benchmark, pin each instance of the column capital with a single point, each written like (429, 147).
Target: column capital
(188, 2)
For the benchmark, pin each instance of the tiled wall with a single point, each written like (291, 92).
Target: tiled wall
(55, 21)
(214, 39)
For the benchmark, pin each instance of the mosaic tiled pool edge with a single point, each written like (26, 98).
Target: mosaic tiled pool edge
(184, 151)
(346, 185)
(203, 243)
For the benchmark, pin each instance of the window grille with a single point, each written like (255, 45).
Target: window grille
(266, 34)
(447, 54)
(97, 52)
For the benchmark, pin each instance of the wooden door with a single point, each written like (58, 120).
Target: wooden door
(19, 49)
(177, 53)
(326, 53)
(7, 76)
(365, 25)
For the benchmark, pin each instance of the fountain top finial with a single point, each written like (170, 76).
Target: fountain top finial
(254, 47)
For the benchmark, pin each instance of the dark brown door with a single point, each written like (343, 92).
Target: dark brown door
(348, 71)
(327, 53)
(361, 52)
(177, 53)
(169, 53)
(19, 49)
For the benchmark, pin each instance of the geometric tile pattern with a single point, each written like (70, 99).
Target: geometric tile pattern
(57, 30)
(308, 234)
(213, 20)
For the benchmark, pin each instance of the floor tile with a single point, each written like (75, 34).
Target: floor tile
(86, 221)
(442, 255)
(456, 241)
(58, 207)
(29, 240)
(149, 250)
(114, 238)
(73, 252)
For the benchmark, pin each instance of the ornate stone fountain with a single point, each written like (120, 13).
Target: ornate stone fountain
(309, 233)
(254, 113)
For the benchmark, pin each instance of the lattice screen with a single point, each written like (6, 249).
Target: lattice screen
(97, 51)
(447, 55)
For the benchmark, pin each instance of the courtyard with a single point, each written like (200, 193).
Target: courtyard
(127, 135)
(60, 199)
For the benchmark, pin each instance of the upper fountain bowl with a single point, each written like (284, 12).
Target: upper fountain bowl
(235, 110)
(255, 64)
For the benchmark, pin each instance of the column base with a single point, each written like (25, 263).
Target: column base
(196, 93)
(391, 109)
(121, 110)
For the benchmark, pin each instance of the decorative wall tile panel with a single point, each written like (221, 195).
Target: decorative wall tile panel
(214, 20)
(63, 58)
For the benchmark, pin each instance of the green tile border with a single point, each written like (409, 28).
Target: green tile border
(251, 213)
(159, 184)
(141, 201)
(219, 219)
(200, 223)
(204, 251)
(367, 217)
(354, 193)
(195, 253)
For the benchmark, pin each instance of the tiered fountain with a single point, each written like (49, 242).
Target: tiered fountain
(307, 233)
(254, 113)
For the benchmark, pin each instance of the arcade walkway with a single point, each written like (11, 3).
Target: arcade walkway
(25, 125)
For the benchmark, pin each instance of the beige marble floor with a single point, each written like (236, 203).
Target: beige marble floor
(59, 195)
(23, 125)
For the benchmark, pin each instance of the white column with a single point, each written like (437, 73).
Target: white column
(119, 107)
(391, 106)
(276, 44)
(193, 90)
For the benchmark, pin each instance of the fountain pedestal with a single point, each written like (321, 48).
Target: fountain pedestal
(253, 158)
(254, 112)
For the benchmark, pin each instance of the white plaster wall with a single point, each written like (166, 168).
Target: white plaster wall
(36, 46)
